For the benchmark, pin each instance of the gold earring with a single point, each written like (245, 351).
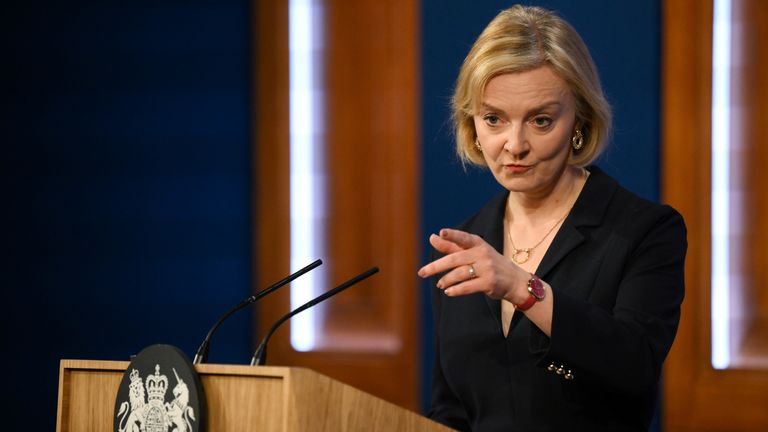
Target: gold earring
(477, 145)
(578, 140)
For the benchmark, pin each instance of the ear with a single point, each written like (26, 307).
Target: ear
(577, 125)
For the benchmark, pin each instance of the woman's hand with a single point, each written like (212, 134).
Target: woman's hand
(472, 266)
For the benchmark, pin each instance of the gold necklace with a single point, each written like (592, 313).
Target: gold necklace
(526, 252)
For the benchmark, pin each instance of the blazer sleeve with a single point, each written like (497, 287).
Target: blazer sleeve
(445, 408)
(622, 348)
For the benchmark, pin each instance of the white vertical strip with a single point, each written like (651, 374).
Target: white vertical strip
(307, 185)
(721, 129)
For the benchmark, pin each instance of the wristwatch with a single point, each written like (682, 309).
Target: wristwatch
(536, 293)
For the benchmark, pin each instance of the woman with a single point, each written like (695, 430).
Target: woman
(556, 304)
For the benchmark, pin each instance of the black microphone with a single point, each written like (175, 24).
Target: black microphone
(260, 355)
(202, 353)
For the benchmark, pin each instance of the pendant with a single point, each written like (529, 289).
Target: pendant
(525, 252)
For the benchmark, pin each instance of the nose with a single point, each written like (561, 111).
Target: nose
(516, 142)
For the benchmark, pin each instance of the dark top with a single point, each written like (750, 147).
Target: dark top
(616, 269)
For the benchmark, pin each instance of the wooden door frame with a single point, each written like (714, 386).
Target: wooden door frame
(372, 150)
(696, 396)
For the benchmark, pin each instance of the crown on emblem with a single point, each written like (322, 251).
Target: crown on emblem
(135, 376)
(157, 385)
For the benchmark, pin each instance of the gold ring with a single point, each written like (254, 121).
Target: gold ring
(472, 273)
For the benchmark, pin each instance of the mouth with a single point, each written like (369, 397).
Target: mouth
(517, 169)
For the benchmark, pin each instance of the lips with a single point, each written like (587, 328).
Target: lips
(518, 169)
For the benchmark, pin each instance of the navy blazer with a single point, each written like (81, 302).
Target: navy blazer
(616, 271)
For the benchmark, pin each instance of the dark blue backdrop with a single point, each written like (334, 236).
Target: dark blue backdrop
(126, 157)
(624, 40)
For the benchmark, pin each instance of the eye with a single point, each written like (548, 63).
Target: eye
(542, 122)
(491, 119)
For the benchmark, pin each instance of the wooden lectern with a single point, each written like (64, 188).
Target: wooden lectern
(240, 398)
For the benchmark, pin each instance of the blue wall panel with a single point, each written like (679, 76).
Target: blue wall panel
(126, 177)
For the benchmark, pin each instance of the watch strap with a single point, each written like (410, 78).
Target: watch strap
(527, 304)
(534, 283)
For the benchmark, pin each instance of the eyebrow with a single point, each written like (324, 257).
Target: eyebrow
(541, 107)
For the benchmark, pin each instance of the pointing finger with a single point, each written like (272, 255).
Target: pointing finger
(443, 245)
(463, 239)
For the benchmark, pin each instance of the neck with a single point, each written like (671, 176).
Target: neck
(552, 202)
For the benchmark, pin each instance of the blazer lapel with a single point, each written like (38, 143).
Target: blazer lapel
(490, 226)
(564, 242)
(588, 210)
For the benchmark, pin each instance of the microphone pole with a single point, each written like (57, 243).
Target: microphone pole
(202, 353)
(260, 355)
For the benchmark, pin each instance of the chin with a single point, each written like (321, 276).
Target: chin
(518, 184)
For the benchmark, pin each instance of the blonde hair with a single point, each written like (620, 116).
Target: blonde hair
(519, 39)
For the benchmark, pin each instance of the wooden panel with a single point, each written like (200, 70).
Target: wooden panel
(227, 395)
(371, 136)
(271, 149)
(372, 157)
(749, 126)
(697, 397)
(687, 30)
(319, 403)
(87, 396)
(240, 398)
(87, 392)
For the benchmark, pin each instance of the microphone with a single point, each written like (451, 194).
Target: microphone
(202, 353)
(260, 355)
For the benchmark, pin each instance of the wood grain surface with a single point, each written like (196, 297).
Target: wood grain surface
(240, 398)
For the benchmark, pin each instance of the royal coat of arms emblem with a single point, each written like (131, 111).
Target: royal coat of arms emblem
(149, 406)
(154, 414)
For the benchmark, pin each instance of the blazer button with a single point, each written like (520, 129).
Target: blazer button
(560, 370)
(551, 367)
(569, 375)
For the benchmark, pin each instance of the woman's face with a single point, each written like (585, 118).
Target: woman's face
(524, 126)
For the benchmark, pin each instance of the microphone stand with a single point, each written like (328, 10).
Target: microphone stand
(260, 355)
(202, 353)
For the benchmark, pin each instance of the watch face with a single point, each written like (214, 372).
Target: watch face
(536, 288)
